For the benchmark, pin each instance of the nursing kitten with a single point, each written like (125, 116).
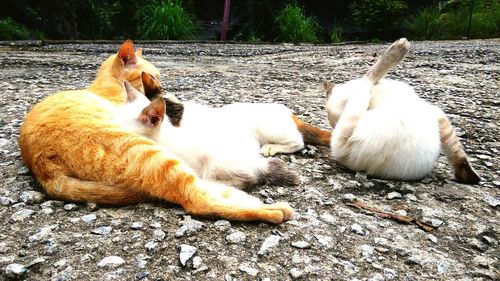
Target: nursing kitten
(384, 129)
(234, 160)
(273, 126)
(78, 152)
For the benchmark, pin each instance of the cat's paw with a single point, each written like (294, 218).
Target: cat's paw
(269, 150)
(284, 208)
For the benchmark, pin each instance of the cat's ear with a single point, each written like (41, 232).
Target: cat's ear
(327, 88)
(132, 92)
(152, 87)
(153, 114)
(126, 53)
(138, 53)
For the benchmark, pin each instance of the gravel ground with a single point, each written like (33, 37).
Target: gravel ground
(43, 239)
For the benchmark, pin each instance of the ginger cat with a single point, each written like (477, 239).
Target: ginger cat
(77, 151)
(208, 151)
(384, 129)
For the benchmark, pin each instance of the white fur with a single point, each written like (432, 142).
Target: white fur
(397, 135)
(213, 150)
(271, 125)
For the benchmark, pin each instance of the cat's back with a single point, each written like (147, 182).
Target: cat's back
(61, 118)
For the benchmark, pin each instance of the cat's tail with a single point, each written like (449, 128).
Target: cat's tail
(312, 134)
(454, 151)
(277, 173)
(388, 60)
(73, 189)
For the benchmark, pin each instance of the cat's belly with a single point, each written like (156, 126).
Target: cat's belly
(385, 146)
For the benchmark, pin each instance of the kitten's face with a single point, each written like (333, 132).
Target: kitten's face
(140, 115)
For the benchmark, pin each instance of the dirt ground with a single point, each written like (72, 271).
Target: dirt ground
(42, 239)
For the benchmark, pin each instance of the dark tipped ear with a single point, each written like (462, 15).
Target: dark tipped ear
(328, 87)
(152, 87)
(153, 114)
(138, 53)
(132, 93)
(126, 53)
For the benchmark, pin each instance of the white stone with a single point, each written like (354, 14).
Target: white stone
(270, 242)
(245, 267)
(89, 218)
(186, 253)
(15, 270)
(111, 261)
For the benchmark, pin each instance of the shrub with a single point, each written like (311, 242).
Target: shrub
(101, 17)
(11, 30)
(373, 14)
(336, 35)
(295, 27)
(165, 19)
(427, 24)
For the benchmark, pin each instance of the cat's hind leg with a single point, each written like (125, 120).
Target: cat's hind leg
(277, 173)
(454, 151)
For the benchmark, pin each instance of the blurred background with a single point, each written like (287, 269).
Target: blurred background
(251, 21)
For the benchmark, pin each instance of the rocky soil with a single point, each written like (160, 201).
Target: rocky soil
(43, 239)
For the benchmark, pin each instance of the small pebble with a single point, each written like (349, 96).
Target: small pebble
(159, 234)
(6, 201)
(22, 214)
(394, 195)
(349, 197)
(197, 262)
(222, 225)
(301, 244)
(296, 273)
(356, 228)
(186, 253)
(111, 261)
(15, 270)
(102, 230)
(236, 237)
(366, 250)
(89, 218)
(432, 238)
(269, 243)
(70, 207)
(138, 225)
(390, 273)
(411, 197)
(245, 267)
(151, 246)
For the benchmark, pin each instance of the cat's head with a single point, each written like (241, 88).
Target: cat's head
(141, 115)
(335, 102)
(174, 108)
(128, 65)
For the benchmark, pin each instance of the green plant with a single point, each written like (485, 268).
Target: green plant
(336, 35)
(374, 14)
(295, 27)
(427, 24)
(11, 30)
(254, 38)
(165, 19)
(101, 19)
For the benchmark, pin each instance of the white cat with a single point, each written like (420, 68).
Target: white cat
(273, 126)
(206, 149)
(383, 128)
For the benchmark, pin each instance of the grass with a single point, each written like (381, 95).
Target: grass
(453, 23)
(295, 27)
(426, 24)
(165, 19)
(11, 30)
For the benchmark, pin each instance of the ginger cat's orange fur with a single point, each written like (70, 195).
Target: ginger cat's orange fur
(77, 152)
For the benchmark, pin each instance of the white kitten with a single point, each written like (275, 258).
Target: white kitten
(235, 160)
(383, 128)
